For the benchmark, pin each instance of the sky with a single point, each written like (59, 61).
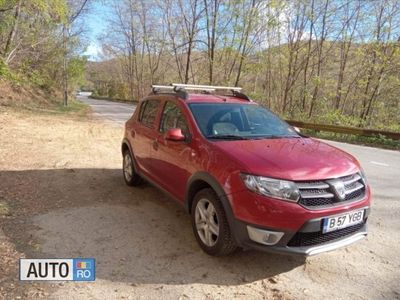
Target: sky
(95, 20)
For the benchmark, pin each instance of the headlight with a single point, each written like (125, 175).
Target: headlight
(275, 188)
(362, 174)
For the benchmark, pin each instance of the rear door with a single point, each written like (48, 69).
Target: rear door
(172, 160)
(145, 133)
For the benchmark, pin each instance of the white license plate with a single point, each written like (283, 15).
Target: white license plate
(343, 221)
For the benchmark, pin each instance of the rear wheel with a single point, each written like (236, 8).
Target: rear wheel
(210, 225)
(131, 177)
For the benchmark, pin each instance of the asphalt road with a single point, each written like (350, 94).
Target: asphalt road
(114, 112)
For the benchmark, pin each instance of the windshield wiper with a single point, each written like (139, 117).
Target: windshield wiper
(226, 137)
(292, 136)
(274, 136)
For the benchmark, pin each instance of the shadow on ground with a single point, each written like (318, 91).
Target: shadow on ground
(136, 235)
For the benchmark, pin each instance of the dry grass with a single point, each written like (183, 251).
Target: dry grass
(4, 209)
(43, 141)
(31, 99)
(15, 95)
(48, 140)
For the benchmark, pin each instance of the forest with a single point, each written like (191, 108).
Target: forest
(41, 45)
(325, 61)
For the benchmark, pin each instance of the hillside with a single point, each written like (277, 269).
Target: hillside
(267, 79)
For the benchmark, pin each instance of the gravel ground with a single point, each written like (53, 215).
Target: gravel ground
(62, 195)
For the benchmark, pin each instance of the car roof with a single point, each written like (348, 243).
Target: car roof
(201, 98)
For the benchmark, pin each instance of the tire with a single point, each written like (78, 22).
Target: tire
(131, 177)
(208, 215)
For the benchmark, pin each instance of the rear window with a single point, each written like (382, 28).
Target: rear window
(148, 112)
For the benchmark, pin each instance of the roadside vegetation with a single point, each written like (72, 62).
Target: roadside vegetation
(40, 51)
(374, 141)
(329, 61)
(4, 209)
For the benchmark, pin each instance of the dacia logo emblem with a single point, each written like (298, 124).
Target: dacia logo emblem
(338, 188)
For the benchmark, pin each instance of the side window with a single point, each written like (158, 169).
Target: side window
(172, 117)
(148, 112)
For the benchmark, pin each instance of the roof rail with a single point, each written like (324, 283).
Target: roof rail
(181, 89)
(182, 93)
(206, 87)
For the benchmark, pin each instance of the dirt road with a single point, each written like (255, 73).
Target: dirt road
(62, 195)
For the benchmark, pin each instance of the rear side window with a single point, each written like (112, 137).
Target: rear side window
(172, 117)
(148, 112)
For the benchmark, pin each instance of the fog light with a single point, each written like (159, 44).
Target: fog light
(265, 237)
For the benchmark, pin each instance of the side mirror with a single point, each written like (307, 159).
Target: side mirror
(175, 134)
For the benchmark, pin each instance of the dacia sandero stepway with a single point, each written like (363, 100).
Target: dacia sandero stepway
(247, 178)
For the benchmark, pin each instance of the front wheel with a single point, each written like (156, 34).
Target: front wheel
(210, 225)
(128, 168)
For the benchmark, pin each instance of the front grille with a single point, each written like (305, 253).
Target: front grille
(322, 194)
(316, 201)
(302, 239)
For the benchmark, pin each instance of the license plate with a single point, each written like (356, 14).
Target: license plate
(343, 221)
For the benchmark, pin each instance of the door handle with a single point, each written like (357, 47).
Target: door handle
(155, 145)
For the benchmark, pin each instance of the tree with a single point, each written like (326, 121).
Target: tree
(34, 37)
(330, 61)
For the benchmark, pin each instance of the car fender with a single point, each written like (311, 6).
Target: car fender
(214, 184)
(223, 197)
(126, 142)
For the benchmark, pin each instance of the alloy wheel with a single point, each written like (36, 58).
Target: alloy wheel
(207, 225)
(128, 167)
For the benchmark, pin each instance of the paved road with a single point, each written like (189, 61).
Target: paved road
(114, 112)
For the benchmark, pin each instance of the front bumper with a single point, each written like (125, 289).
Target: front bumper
(309, 240)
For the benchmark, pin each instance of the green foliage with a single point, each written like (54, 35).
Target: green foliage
(376, 141)
(4, 209)
(8, 75)
(35, 52)
(73, 107)
(4, 71)
(336, 117)
(117, 90)
(7, 3)
(76, 70)
(36, 78)
(54, 10)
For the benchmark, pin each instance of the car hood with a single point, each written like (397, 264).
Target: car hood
(290, 158)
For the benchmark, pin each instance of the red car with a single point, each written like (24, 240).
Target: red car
(246, 177)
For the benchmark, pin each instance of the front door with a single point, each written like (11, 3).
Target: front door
(172, 161)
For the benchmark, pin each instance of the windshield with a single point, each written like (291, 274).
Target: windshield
(239, 121)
